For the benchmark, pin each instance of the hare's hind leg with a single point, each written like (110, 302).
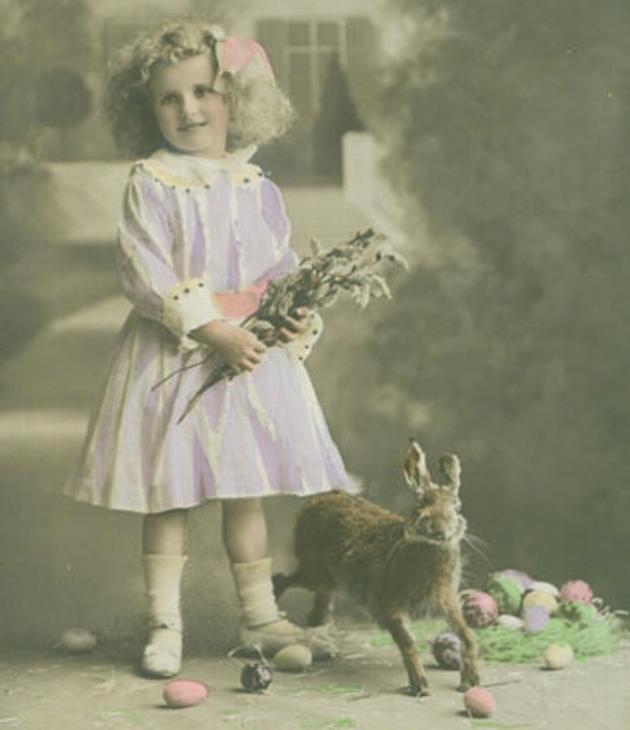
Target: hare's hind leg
(322, 606)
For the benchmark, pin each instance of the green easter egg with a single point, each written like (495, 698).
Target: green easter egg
(584, 613)
(507, 592)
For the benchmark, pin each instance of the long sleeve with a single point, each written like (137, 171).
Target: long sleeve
(274, 211)
(275, 215)
(146, 241)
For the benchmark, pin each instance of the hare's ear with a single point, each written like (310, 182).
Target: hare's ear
(451, 471)
(415, 468)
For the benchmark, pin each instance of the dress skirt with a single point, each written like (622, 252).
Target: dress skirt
(261, 433)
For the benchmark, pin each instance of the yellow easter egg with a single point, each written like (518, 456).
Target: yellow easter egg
(558, 656)
(540, 598)
(293, 658)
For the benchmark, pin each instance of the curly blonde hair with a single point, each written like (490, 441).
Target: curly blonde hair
(259, 111)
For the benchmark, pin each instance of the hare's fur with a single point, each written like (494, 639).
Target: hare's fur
(393, 566)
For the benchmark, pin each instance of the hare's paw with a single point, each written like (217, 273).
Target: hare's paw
(468, 680)
(417, 691)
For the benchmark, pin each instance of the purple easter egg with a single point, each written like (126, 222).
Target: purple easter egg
(519, 576)
(447, 650)
(480, 609)
(535, 618)
(576, 591)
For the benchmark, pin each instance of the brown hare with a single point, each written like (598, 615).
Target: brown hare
(390, 565)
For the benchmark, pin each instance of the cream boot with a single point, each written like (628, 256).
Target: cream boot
(163, 652)
(263, 627)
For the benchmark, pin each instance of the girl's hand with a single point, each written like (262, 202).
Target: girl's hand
(238, 347)
(295, 326)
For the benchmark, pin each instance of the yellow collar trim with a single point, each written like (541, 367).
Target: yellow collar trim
(186, 171)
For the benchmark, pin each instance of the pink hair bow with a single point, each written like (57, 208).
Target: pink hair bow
(235, 53)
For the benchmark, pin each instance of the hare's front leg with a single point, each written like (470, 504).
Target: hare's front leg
(418, 683)
(469, 674)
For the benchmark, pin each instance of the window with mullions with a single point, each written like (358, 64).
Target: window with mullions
(310, 47)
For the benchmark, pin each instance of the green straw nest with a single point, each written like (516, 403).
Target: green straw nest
(602, 635)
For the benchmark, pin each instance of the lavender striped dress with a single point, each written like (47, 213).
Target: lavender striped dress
(190, 227)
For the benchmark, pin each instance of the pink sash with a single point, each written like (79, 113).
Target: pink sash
(242, 303)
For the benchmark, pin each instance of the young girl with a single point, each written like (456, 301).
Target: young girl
(202, 233)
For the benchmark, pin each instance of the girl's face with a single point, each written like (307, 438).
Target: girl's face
(191, 116)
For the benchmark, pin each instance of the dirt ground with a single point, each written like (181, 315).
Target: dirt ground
(361, 688)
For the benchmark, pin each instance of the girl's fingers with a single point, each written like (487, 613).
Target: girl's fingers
(254, 343)
(255, 357)
(294, 323)
(286, 335)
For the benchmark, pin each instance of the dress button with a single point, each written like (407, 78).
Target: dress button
(186, 290)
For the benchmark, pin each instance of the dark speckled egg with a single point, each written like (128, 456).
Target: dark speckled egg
(256, 677)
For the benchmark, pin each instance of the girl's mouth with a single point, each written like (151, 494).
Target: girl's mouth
(186, 127)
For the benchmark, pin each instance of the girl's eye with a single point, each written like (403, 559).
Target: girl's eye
(167, 99)
(202, 91)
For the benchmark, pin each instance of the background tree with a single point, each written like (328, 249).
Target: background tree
(42, 94)
(506, 127)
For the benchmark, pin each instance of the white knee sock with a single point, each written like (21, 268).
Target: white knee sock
(255, 592)
(162, 575)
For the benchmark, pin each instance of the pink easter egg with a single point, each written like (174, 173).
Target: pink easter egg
(184, 693)
(535, 618)
(479, 702)
(480, 609)
(576, 591)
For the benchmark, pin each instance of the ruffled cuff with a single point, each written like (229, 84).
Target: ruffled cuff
(302, 345)
(189, 305)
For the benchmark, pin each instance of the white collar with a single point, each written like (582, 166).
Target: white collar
(182, 164)
(181, 170)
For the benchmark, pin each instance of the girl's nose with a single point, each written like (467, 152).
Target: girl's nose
(190, 107)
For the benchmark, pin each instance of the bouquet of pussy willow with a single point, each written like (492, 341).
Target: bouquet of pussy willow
(352, 267)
